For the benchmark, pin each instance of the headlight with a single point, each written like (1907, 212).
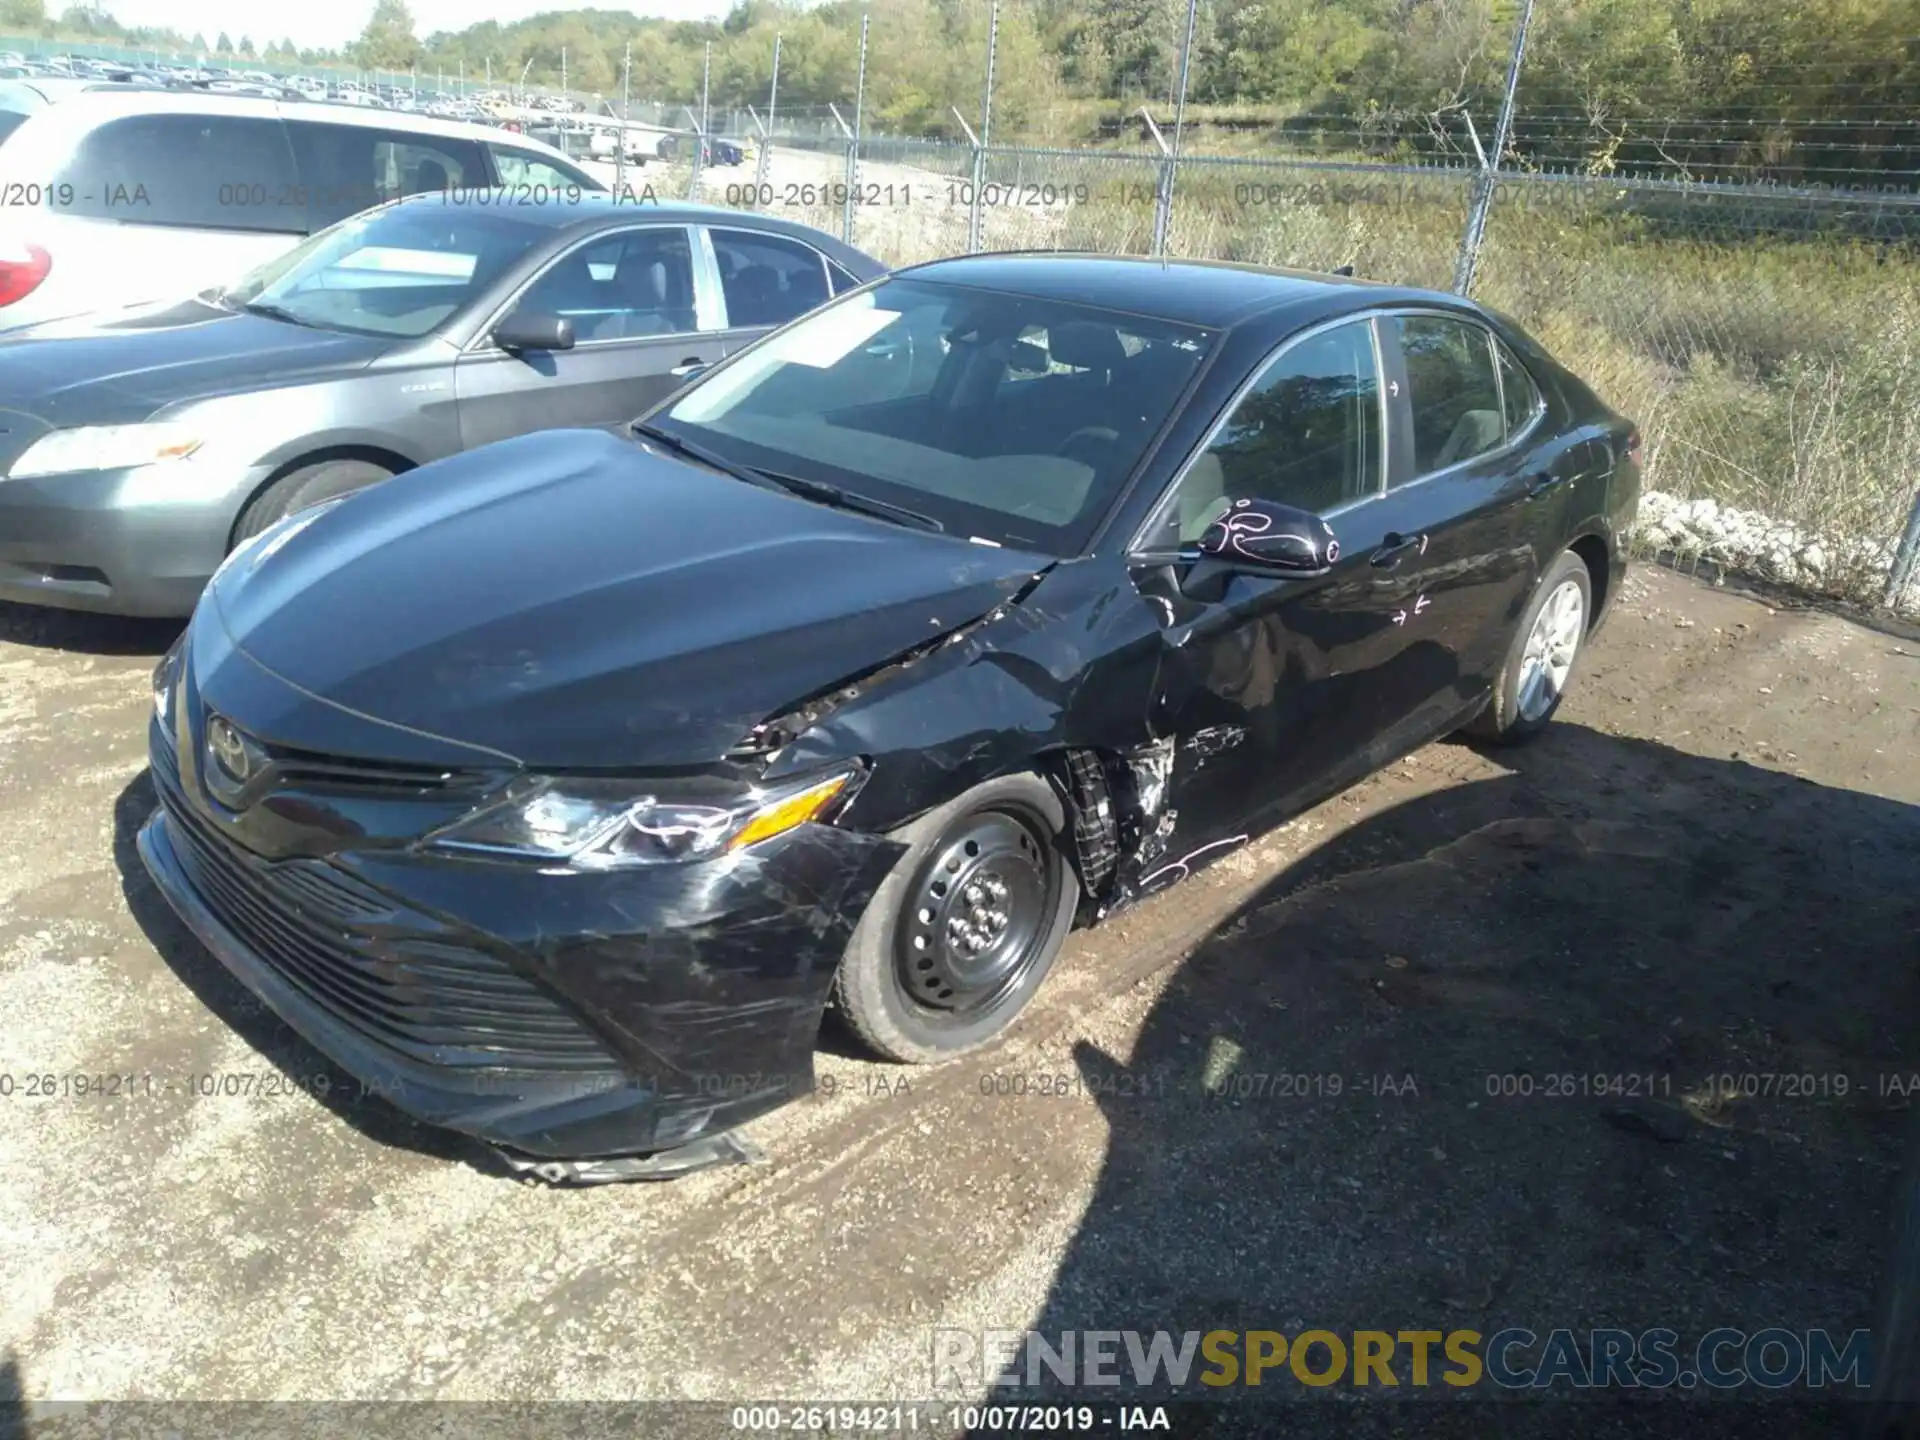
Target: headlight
(613, 824)
(106, 447)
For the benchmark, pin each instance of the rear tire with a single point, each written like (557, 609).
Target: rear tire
(298, 489)
(966, 927)
(1540, 662)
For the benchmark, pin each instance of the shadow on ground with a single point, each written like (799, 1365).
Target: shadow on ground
(83, 633)
(1453, 1071)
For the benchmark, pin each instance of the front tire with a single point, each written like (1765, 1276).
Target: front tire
(1540, 662)
(298, 489)
(966, 927)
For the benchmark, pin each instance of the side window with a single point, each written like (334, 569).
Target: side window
(1453, 394)
(518, 167)
(420, 165)
(767, 279)
(842, 281)
(625, 287)
(211, 172)
(1306, 435)
(1517, 390)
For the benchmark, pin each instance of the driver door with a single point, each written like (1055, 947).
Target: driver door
(1276, 689)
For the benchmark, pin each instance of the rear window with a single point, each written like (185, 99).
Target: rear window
(345, 169)
(210, 172)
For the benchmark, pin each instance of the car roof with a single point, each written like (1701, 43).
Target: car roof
(1215, 294)
(88, 100)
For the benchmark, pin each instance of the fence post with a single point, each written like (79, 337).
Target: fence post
(977, 198)
(1163, 187)
(1485, 181)
(973, 205)
(700, 140)
(1906, 556)
(853, 145)
(620, 145)
(1163, 206)
(766, 130)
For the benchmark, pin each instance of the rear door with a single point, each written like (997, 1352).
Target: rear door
(765, 280)
(1453, 533)
(644, 321)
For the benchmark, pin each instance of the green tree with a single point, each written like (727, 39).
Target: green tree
(223, 45)
(388, 42)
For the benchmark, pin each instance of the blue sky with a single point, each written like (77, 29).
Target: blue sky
(335, 24)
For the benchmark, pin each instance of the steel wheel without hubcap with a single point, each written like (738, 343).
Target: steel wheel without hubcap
(1554, 640)
(979, 915)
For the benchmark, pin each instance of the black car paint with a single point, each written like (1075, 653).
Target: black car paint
(1175, 729)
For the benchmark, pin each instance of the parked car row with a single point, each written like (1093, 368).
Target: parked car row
(619, 636)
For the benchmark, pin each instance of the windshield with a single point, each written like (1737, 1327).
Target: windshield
(401, 270)
(1006, 417)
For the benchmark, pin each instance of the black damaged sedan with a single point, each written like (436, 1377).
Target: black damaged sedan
(556, 789)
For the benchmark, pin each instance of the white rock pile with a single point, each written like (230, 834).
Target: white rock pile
(1757, 544)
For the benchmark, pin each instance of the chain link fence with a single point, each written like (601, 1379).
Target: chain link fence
(1765, 338)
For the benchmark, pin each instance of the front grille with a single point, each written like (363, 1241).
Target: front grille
(394, 974)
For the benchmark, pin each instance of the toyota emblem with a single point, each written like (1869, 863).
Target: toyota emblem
(229, 751)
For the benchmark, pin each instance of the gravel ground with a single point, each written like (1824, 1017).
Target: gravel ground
(1707, 866)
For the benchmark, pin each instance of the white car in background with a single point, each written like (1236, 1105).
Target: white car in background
(118, 195)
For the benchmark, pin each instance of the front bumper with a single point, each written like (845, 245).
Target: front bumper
(556, 1015)
(116, 541)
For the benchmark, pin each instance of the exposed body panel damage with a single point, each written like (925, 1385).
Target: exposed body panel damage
(1009, 692)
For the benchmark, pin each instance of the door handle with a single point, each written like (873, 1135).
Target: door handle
(1395, 546)
(1541, 483)
(692, 365)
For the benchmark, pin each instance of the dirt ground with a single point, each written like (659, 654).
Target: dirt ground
(1707, 867)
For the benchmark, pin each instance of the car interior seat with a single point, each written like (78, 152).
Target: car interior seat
(1474, 433)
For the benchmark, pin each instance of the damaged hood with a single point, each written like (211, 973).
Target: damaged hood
(574, 601)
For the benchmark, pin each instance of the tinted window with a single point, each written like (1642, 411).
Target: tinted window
(905, 392)
(213, 172)
(842, 281)
(519, 167)
(767, 279)
(1306, 435)
(1454, 397)
(625, 287)
(400, 271)
(1517, 390)
(10, 121)
(349, 168)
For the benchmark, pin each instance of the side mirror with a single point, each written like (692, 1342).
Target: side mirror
(1269, 539)
(533, 330)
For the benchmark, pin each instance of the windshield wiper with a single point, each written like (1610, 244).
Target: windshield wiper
(277, 312)
(826, 494)
(699, 452)
(815, 490)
